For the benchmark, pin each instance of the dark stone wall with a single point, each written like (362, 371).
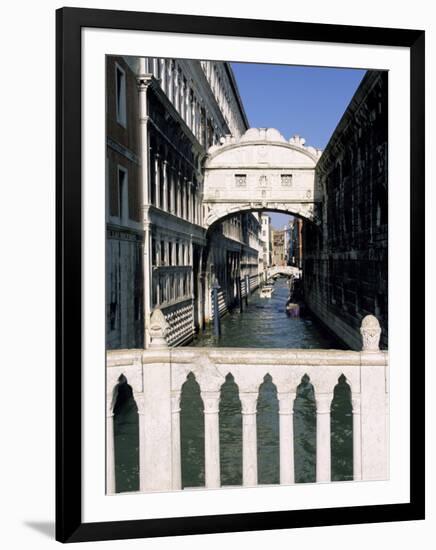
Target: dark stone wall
(346, 257)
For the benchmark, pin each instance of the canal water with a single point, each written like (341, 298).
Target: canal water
(264, 323)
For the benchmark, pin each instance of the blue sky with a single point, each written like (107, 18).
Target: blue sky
(308, 101)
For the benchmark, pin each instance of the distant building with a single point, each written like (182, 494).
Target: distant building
(287, 240)
(278, 247)
(296, 242)
(266, 240)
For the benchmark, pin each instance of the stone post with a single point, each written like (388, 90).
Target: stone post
(373, 402)
(247, 288)
(158, 461)
(216, 310)
(211, 438)
(323, 456)
(179, 198)
(157, 180)
(249, 438)
(286, 420)
(164, 199)
(110, 447)
(370, 331)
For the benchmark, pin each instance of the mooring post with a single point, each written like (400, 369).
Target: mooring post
(247, 288)
(239, 289)
(216, 311)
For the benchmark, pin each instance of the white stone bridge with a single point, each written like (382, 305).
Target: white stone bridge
(261, 171)
(283, 270)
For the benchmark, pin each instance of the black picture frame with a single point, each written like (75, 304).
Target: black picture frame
(69, 525)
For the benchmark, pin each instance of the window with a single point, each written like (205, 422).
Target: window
(123, 197)
(240, 180)
(286, 179)
(120, 94)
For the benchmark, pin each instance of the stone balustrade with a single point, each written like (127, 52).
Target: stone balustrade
(156, 376)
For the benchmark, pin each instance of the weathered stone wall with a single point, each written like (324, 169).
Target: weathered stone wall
(124, 234)
(346, 262)
(231, 258)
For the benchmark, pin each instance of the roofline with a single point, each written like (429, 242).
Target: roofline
(368, 81)
(227, 146)
(235, 88)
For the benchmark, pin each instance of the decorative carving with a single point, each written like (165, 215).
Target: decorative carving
(143, 81)
(370, 331)
(158, 329)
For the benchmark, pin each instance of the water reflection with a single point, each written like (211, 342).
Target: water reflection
(265, 324)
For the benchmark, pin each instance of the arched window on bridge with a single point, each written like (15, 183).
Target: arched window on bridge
(192, 433)
(341, 419)
(305, 432)
(230, 427)
(126, 438)
(268, 449)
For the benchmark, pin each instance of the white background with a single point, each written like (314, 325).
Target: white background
(27, 305)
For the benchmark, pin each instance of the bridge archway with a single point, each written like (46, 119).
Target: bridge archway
(261, 171)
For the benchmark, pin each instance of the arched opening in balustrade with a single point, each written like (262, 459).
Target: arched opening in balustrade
(126, 438)
(268, 435)
(192, 433)
(305, 432)
(230, 430)
(341, 422)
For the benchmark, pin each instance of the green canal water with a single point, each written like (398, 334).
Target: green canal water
(264, 324)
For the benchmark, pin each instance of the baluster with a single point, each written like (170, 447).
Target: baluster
(211, 438)
(323, 453)
(249, 438)
(141, 418)
(157, 180)
(286, 412)
(176, 449)
(357, 438)
(110, 448)
(164, 199)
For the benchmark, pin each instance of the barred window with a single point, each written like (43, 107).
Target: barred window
(286, 179)
(240, 180)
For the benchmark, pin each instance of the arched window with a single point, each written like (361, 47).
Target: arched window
(268, 450)
(126, 438)
(305, 432)
(341, 418)
(192, 433)
(230, 426)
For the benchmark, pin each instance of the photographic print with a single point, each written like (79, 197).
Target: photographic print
(246, 274)
(240, 264)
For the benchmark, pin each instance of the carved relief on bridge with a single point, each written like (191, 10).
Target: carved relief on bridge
(261, 171)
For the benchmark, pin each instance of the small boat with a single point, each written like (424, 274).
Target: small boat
(266, 291)
(293, 309)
